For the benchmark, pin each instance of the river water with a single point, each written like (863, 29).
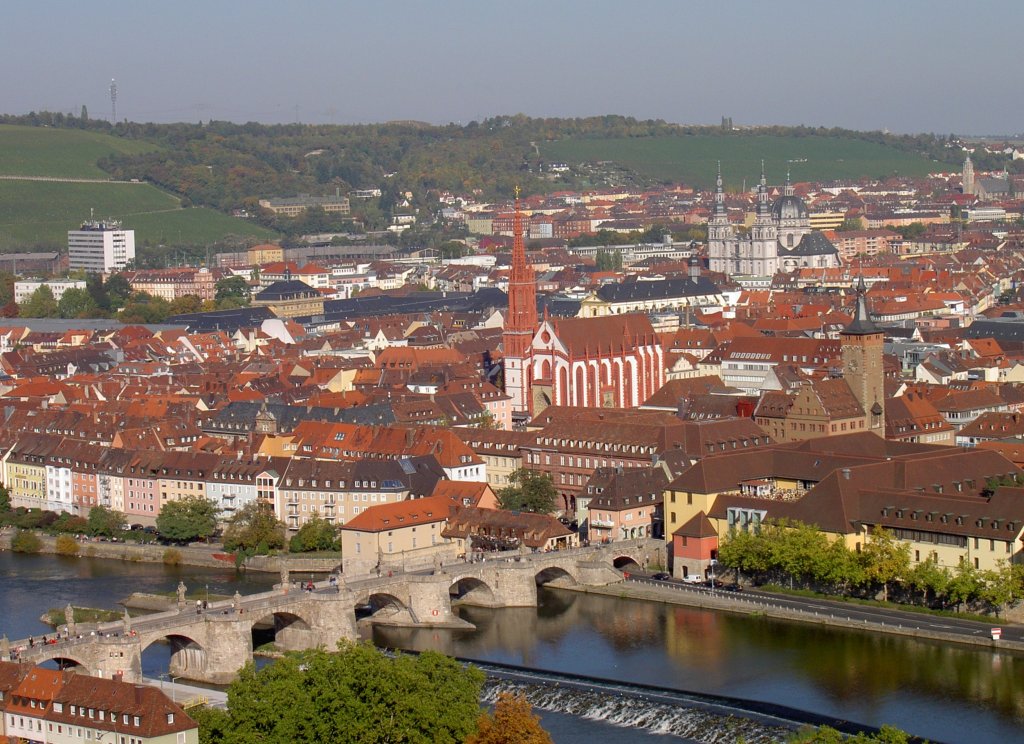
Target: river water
(944, 693)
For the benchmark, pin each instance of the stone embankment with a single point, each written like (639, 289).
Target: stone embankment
(203, 556)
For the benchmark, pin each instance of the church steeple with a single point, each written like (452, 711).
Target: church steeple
(521, 321)
(764, 207)
(719, 209)
(789, 185)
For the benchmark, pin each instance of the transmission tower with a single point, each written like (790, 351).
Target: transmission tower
(113, 101)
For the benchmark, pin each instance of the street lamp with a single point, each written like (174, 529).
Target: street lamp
(207, 595)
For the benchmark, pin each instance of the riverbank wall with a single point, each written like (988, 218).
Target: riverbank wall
(204, 557)
(761, 607)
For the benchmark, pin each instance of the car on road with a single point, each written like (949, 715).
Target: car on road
(661, 576)
(713, 584)
(693, 579)
(733, 587)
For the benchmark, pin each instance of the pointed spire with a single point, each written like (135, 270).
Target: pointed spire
(789, 185)
(719, 209)
(764, 181)
(861, 325)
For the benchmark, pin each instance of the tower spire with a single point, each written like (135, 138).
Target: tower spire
(521, 322)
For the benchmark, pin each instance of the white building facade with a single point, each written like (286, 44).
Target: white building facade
(100, 247)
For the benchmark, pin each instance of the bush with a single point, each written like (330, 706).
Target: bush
(26, 541)
(172, 557)
(67, 545)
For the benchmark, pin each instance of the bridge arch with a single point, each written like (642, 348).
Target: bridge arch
(62, 660)
(380, 605)
(188, 657)
(555, 576)
(626, 563)
(473, 591)
(285, 630)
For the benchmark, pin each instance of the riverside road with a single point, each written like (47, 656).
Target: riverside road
(884, 619)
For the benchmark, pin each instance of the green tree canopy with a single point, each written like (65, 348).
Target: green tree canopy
(316, 534)
(254, 527)
(144, 308)
(192, 518)
(117, 290)
(885, 558)
(40, 304)
(232, 289)
(105, 522)
(76, 303)
(5, 499)
(530, 491)
(357, 695)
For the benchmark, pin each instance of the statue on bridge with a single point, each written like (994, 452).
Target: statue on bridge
(69, 618)
(236, 600)
(127, 622)
(181, 595)
(284, 577)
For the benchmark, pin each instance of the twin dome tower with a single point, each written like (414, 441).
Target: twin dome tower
(780, 237)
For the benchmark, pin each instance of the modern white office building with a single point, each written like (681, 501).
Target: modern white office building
(100, 247)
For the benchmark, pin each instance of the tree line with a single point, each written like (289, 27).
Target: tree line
(801, 555)
(114, 298)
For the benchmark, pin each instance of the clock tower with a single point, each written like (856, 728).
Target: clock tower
(862, 343)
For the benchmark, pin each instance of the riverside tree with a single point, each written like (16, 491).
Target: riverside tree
(254, 528)
(802, 554)
(356, 695)
(184, 520)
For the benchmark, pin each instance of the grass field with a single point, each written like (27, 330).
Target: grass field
(59, 153)
(693, 159)
(41, 212)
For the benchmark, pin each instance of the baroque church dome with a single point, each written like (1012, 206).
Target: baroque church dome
(789, 207)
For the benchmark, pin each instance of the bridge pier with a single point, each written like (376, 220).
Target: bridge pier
(227, 648)
(331, 619)
(117, 655)
(430, 602)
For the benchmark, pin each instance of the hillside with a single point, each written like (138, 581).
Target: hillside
(60, 153)
(693, 159)
(40, 212)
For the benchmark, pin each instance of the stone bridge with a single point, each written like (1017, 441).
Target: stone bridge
(213, 645)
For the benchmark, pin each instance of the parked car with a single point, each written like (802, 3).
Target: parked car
(734, 587)
(713, 584)
(661, 576)
(693, 579)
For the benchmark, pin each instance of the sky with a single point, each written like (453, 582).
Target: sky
(898, 65)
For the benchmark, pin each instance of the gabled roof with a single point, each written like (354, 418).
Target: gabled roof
(698, 526)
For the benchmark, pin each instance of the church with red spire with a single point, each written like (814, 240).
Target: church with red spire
(614, 361)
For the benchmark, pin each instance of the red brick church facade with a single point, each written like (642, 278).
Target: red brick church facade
(614, 361)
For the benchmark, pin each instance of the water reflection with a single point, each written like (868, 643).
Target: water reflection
(947, 693)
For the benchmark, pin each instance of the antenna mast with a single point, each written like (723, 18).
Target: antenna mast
(113, 101)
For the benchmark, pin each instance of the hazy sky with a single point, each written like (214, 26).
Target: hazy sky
(902, 65)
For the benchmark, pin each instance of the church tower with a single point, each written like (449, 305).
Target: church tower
(720, 233)
(520, 323)
(862, 343)
(969, 186)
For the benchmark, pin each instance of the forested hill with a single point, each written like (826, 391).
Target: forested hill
(229, 166)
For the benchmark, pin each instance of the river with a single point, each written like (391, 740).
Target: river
(941, 692)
